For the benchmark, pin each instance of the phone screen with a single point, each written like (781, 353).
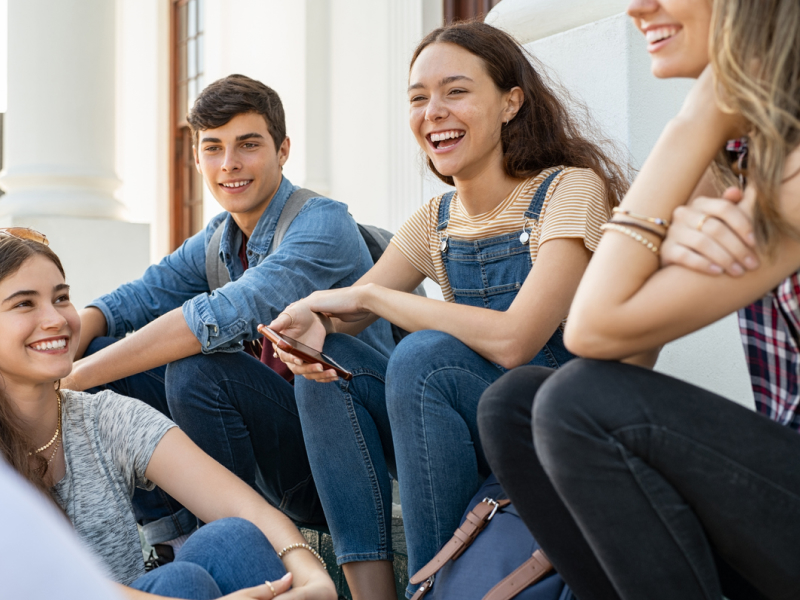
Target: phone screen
(300, 350)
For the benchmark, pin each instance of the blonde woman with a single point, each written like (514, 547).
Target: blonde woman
(661, 489)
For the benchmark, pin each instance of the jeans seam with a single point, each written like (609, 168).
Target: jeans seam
(362, 447)
(425, 437)
(706, 448)
(657, 508)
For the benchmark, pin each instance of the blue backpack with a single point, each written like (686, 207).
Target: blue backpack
(501, 563)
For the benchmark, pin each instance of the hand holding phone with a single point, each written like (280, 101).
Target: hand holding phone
(300, 350)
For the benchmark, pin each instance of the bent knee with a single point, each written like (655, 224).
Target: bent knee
(509, 400)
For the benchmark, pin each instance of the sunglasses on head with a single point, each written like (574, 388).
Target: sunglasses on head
(25, 233)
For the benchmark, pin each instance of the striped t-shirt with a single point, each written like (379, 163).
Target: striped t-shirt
(575, 206)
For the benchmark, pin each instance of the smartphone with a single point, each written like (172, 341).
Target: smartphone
(307, 353)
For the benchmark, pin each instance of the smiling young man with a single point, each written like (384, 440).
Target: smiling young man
(217, 385)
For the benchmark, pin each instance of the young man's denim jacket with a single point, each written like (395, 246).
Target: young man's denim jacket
(322, 249)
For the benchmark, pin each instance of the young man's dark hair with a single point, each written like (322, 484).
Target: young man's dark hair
(234, 95)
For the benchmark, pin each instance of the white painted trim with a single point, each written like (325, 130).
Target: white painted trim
(531, 20)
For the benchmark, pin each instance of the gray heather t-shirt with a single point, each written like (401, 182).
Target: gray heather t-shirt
(108, 442)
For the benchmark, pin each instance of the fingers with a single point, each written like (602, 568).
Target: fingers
(284, 584)
(713, 235)
(281, 322)
(730, 213)
(311, 371)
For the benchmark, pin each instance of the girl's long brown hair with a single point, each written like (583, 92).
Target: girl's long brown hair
(755, 54)
(15, 444)
(543, 133)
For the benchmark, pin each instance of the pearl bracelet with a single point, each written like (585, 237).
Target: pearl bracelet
(291, 547)
(632, 234)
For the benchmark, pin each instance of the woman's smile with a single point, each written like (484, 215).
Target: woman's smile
(443, 141)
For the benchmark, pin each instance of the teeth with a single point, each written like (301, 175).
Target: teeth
(445, 135)
(662, 33)
(50, 345)
(236, 184)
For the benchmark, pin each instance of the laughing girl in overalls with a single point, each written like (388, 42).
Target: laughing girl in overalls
(507, 247)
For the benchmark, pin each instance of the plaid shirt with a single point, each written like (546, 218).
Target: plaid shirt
(769, 329)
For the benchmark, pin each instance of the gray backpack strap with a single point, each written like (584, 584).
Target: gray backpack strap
(216, 273)
(291, 209)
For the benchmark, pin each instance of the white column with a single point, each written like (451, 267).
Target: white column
(591, 48)
(59, 151)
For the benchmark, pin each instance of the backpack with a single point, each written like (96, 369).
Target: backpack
(375, 238)
(501, 563)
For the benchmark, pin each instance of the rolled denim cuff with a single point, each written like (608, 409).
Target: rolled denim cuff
(112, 315)
(169, 527)
(212, 336)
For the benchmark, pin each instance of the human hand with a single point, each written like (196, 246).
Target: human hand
(297, 321)
(712, 235)
(265, 591)
(346, 304)
(318, 587)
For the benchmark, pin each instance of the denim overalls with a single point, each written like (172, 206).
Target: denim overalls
(489, 273)
(413, 414)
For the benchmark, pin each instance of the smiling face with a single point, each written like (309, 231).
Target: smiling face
(40, 326)
(241, 166)
(677, 34)
(457, 111)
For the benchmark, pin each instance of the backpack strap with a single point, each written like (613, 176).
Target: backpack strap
(475, 521)
(535, 208)
(531, 571)
(216, 272)
(291, 209)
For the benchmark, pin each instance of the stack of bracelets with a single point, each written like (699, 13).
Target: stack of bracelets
(630, 221)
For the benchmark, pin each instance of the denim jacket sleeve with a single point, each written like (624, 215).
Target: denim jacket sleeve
(321, 249)
(165, 286)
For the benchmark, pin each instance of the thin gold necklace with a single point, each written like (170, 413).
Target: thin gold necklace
(58, 429)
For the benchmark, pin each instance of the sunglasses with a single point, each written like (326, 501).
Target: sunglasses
(25, 233)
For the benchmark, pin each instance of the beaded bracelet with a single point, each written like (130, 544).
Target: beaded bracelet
(631, 233)
(655, 220)
(658, 234)
(291, 547)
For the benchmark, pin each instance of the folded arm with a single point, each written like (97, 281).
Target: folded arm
(625, 304)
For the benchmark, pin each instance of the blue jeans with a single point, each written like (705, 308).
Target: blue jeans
(221, 558)
(414, 416)
(239, 412)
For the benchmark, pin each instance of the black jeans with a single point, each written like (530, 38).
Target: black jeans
(647, 485)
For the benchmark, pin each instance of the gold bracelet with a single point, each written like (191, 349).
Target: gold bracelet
(291, 547)
(632, 234)
(655, 220)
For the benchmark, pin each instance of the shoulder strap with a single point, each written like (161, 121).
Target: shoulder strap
(535, 209)
(528, 573)
(444, 210)
(531, 571)
(475, 521)
(291, 209)
(216, 273)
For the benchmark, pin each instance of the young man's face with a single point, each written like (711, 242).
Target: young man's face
(241, 166)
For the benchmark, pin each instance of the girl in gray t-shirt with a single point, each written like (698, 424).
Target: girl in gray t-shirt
(89, 452)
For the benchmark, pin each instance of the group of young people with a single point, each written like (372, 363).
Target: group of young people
(635, 484)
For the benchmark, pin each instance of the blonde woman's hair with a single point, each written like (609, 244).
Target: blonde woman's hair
(755, 54)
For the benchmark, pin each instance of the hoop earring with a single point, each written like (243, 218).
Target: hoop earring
(58, 385)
